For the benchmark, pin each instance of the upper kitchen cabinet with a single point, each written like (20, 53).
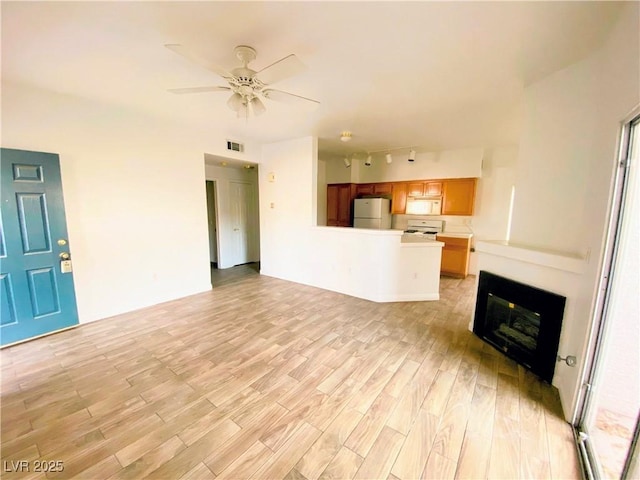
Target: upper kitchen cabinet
(379, 189)
(458, 196)
(363, 189)
(424, 189)
(339, 199)
(399, 198)
(383, 189)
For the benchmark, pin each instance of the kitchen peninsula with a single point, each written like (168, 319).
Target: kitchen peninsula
(376, 265)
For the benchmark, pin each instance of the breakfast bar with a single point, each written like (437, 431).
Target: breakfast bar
(377, 265)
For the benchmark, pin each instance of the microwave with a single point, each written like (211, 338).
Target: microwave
(424, 206)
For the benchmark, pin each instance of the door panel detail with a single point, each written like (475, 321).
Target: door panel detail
(7, 308)
(44, 292)
(3, 249)
(27, 173)
(34, 224)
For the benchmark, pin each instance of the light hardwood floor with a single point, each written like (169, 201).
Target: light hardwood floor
(263, 378)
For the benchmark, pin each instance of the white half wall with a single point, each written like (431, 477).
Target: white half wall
(134, 191)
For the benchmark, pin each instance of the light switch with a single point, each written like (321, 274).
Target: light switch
(272, 205)
(271, 177)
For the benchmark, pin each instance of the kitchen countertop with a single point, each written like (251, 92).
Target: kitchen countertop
(416, 241)
(456, 234)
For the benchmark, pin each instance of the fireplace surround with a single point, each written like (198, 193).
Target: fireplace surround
(522, 321)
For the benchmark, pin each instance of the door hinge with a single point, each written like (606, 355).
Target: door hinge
(582, 437)
(587, 387)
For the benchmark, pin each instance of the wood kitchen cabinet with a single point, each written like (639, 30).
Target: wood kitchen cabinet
(399, 198)
(339, 200)
(424, 189)
(458, 196)
(455, 256)
(383, 189)
(363, 189)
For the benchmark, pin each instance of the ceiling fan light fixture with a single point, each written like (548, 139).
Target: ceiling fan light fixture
(235, 102)
(412, 155)
(258, 106)
(347, 162)
(345, 136)
(388, 157)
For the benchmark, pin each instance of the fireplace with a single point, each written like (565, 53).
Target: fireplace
(521, 321)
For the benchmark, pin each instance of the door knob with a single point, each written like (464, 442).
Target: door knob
(64, 256)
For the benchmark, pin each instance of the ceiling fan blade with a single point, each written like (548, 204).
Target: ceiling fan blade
(180, 50)
(286, 97)
(180, 91)
(284, 68)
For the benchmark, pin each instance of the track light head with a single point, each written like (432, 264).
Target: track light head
(347, 162)
(367, 162)
(412, 155)
(389, 158)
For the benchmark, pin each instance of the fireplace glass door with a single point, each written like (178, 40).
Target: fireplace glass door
(512, 328)
(520, 320)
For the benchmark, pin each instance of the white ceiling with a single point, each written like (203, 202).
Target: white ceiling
(434, 75)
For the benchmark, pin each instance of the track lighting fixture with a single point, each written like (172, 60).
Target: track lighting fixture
(388, 157)
(412, 155)
(367, 162)
(347, 162)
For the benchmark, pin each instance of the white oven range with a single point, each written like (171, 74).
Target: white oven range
(423, 229)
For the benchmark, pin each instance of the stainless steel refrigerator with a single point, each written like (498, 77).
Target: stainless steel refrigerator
(372, 213)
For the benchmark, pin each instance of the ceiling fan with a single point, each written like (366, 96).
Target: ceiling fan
(246, 87)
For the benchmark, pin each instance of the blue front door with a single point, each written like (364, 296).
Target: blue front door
(36, 297)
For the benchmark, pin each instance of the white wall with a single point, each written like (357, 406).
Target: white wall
(288, 208)
(459, 163)
(134, 190)
(223, 177)
(565, 168)
(336, 171)
(493, 196)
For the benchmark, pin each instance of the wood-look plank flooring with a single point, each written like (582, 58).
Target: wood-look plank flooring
(263, 378)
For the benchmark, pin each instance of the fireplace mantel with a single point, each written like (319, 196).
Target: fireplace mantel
(546, 258)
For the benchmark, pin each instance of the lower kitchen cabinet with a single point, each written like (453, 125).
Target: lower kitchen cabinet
(339, 198)
(455, 256)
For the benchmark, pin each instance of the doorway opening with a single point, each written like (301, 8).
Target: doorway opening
(212, 222)
(232, 216)
(607, 427)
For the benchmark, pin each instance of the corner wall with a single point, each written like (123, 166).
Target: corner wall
(565, 171)
(134, 191)
(288, 208)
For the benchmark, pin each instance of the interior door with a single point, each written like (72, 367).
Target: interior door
(241, 197)
(37, 294)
